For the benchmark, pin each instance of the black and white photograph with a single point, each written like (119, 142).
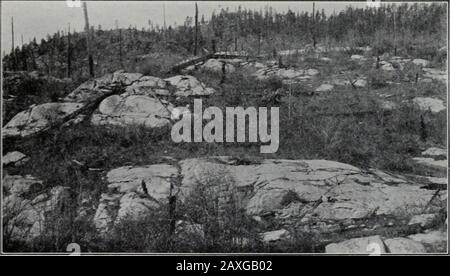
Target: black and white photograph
(225, 128)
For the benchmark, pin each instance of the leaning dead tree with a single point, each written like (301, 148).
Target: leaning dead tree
(88, 40)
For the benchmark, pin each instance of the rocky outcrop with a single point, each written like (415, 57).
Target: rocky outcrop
(365, 245)
(404, 246)
(376, 245)
(123, 99)
(133, 192)
(429, 104)
(14, 158)
(275, 236)
(25, 216)
(432, 159)
(38, 117)
(435, 74)
(436, 237)
(317, 195)
(125, 110)
(186, 85)
(287, 75)
(325, 87)
(216, 66)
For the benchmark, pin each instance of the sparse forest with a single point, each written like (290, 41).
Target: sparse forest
(419, 30)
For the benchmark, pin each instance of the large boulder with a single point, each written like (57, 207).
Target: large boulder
(125, 110)
(38, 117)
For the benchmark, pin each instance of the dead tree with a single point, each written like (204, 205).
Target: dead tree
(196, 30)
(69, 53)
(395, 34)
(164, 27)
(213, 45)
(88, 40)
(313, 32)
(224, 72)
(120, 43)
(13, 50)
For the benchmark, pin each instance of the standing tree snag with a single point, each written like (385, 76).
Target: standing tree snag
(69, 53)
(196, 30)
(88, 40)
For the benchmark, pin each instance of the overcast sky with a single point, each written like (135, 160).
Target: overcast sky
(39, 18)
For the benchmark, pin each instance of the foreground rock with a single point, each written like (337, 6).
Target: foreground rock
(319, 195)
(133, 193)
(376, 245)
(404, 246)
(366, 245)
(38, 117)
(26, 218)
(435, 240)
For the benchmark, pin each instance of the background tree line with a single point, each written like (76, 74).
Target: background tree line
(412, 28)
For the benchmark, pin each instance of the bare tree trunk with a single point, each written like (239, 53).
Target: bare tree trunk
(259, 44)
(120, 43)
(313, 28)
(13, 50)
(196, 30)
(164, 27)
(69, 53)
(395, 35)
(213, 46)
(88, 40)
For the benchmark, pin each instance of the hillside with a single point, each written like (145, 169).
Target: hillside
(362, 155)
